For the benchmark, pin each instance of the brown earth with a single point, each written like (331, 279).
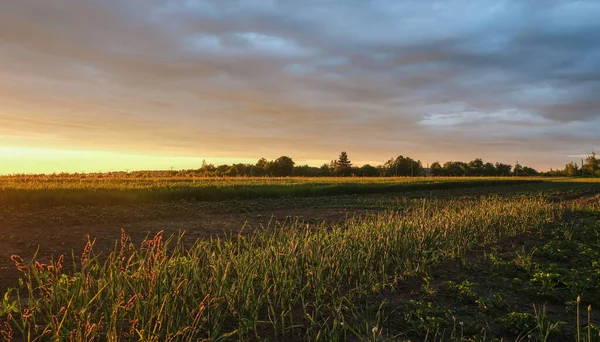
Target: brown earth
(61, 230)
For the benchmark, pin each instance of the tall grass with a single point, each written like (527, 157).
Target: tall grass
(290, 281)
(54, 191)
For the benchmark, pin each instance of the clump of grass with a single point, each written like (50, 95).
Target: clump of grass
(292, 280)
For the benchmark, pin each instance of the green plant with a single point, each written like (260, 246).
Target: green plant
(544, 327)
(519, 323)
(426, 288)
(495, 302)
(425, 317)
(523, 259)
(464, 290)
(545, 282)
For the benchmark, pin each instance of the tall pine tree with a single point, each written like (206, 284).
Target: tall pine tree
(343, 165)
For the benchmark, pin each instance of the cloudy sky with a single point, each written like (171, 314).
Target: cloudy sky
(93, 85)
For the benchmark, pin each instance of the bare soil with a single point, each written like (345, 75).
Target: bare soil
(52, 232)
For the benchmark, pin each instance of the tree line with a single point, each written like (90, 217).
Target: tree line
(590, 167)
(400, 166)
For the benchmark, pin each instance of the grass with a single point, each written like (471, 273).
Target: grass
(288, 281)
(59, 191)
(460, 268)
(539, 286)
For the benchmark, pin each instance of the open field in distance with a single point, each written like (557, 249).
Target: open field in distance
(51, 191)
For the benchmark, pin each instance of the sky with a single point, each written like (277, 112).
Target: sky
(103, 85)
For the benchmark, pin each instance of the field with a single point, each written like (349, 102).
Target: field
(53, 191)
(385, 259)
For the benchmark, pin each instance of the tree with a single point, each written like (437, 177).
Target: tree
(489, 169)
(332, 165)
(502, 169)
(455, 168)
(262, 163)
(257, 171)
(307, 171)
(260, 168)
(221, 169)
(403, 166)
(476, 167)
(283, 166)
(571, 169)
(518, 170)
(343, 166)
(592, 165)
(207, 169)
(368, 171)
(528, 171)
(436, 169)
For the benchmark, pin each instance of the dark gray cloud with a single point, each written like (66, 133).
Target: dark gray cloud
(437, 80)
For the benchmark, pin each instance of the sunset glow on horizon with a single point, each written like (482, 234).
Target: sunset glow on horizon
(47, 161)
(88, 86)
